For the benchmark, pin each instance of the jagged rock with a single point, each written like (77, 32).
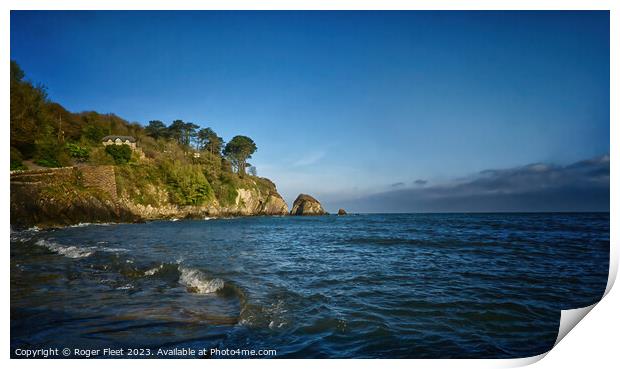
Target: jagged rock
(307, 205)
(342, 212)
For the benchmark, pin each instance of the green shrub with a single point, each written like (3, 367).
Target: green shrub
(18, 165)
(17, 160)
(77, 152)
(48, 162)
(120, 153)
(226, 188)
(50, 154)
(140, 183)
(186, 183)
(94, 133)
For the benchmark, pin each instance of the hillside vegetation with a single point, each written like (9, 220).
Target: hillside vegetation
(179, 164)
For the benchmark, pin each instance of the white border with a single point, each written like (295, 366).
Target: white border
(595, 341)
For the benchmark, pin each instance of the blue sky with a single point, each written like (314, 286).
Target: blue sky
(342, 104)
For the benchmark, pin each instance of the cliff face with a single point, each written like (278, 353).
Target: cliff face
(66, 196)
(248, 201)
(252, 201)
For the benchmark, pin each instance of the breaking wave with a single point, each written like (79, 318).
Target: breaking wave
(73, 252)
(197, 282)
(194, 280)
(152, 271)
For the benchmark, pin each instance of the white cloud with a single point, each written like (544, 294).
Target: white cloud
(309, 159)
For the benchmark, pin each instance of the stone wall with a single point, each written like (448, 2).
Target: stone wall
(101, 177)
(44, 176)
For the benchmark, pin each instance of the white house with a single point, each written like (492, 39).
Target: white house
(119, 140)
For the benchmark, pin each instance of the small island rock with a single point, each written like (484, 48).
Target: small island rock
(307, 205)
(341, 211)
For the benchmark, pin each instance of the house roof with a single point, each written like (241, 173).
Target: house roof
(123, 138)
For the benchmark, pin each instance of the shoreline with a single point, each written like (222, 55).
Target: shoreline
(45, 227)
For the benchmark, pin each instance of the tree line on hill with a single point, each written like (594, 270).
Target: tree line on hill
(46, 134)
(188, 134)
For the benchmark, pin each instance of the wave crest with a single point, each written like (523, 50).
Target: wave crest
(73, 252)
(197, 282)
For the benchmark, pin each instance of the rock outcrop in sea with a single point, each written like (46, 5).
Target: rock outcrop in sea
(307, 205)
(341, 211)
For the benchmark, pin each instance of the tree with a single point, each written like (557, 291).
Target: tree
(189, 133)
(182, 132)
(210, 141)
(238, 150)
(156, 129)
(203, 137)
(29, 118)
(176, 130)
(252, 170)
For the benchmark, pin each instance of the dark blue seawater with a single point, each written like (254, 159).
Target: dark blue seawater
(359, 286)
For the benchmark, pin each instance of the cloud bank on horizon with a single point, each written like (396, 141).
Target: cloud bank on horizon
(539, 187)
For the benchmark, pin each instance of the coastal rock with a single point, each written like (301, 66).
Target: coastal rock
(307, 205)
(60, 197)
(257, 201)
(341, 211)
(275, 205)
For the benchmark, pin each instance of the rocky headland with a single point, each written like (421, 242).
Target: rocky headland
(90, 194)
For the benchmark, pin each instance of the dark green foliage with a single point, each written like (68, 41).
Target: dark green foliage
(184, 133)
(94, 133)
(157, 129)
(238, 150)
(209, 141)
(17, 165)
(176, 130)
(48, 152)
(29, 115)
(77, 152)
(16, 160)
(49, 162)
(226, 188)
(120, 153)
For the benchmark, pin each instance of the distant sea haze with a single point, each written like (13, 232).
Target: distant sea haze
(579, 187)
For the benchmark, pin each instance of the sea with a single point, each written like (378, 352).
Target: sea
(355, 286)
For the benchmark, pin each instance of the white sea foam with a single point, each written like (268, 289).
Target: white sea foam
(73, 252)
(79, 225)
(154, 270)
(196, 281)
(114, 249)
(20, 238)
